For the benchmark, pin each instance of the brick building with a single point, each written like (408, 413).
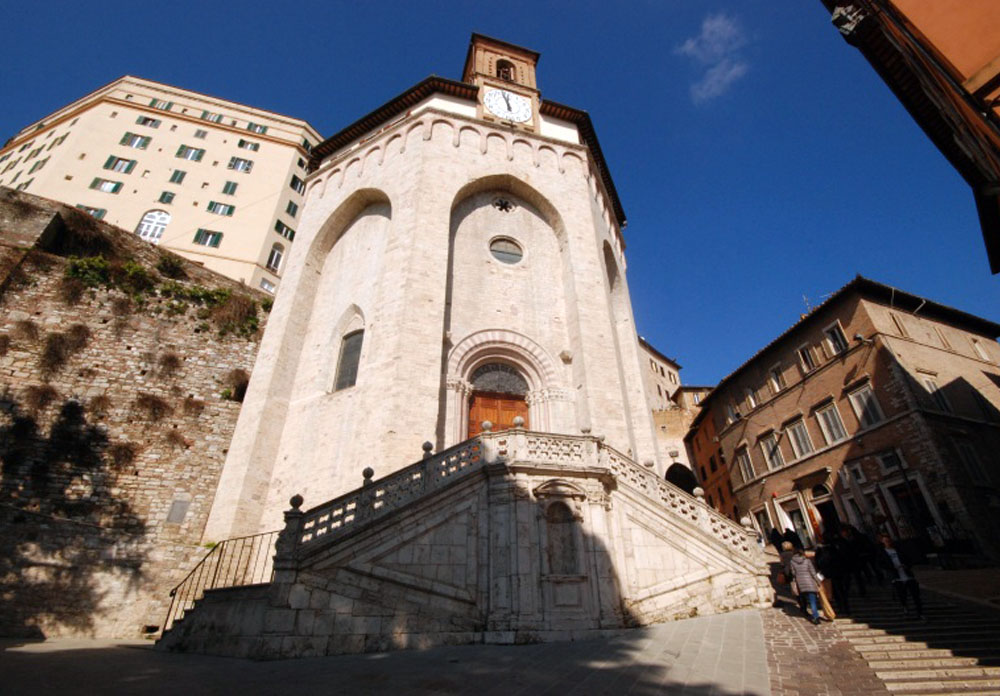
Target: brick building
(878, 408)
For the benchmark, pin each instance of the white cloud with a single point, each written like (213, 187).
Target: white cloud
(716, 51)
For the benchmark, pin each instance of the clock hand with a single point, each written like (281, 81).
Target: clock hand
(506, 98)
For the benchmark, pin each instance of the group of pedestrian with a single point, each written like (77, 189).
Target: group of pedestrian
(849, 558)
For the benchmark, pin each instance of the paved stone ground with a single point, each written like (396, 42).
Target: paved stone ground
(713, 655)
(774, 651)
(813, 660)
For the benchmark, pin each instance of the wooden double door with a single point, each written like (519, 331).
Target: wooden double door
(499, 409)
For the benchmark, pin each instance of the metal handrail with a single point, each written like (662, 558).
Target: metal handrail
(246, 560)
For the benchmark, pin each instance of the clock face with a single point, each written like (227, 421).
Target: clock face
(508, 106)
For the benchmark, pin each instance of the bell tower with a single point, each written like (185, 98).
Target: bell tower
(505, 75)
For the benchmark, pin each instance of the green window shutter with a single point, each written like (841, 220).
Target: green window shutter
(130, 166)
(110, 162)
(152, 102)
(180, 151)
(198, 154)
(169, 106)
(117, 187)
(216, 239)
(145, 142)
(124, 140)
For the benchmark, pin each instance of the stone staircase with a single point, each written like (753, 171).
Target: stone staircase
(956, 650)
(508, 537)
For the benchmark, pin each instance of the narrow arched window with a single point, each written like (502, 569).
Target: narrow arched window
(347, 364)
(274, 258)
(152, 225)
(559, 525)
(505, 70)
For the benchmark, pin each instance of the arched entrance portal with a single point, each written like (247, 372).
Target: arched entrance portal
(498, 395)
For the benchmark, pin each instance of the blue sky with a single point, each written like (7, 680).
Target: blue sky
(760, 160)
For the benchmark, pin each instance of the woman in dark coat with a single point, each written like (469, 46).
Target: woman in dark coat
(804, 572)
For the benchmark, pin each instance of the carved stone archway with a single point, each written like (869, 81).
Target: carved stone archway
(546, 391)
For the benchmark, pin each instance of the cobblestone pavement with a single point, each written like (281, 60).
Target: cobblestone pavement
(707, 656)
(809, 660)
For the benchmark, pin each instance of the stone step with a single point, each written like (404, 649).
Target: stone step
(916, 663)
(958, 686)
(938, 674)
(902, 624)
(926, 631)
(905, 651)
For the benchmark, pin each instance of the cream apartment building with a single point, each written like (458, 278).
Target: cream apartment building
(218, 182)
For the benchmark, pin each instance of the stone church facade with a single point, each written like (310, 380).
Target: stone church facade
(395, 241)
(459, 273)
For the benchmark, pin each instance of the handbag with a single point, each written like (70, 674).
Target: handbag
(795, 588)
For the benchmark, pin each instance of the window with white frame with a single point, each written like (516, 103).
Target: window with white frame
(772, 451)
(152, 225)
(220, 208)
(856, 471)
(292, 208)
(208, 238)
(147, 121)
(898, 322)
(745, 464)
(229, 188)
(190, 153)
(732, 415)
(751, 397)
(274, 258)
(776, 378)
(267, 286)
(889, 461)
(830, 424)
(806, 358)
(200, 133)
(866, 406)
(106, 185)
(970, 460)
(209, 116)
(980, 351)
(241, 165)
(248, 145)
(161, 104)
(835, 337)
(256, 128)
(95, 212)
(938, 397)
(140, 142)
(119, 164)
(945, 343)
(284, 230)
(798, 435)
(299, 186)
(177, 176)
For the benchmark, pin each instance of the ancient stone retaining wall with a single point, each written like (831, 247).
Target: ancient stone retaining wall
(116, 408)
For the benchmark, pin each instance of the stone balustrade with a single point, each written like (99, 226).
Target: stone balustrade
(378, 498)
